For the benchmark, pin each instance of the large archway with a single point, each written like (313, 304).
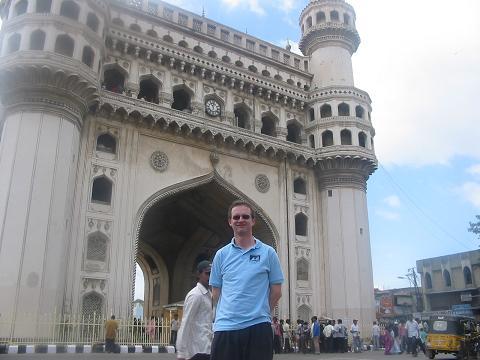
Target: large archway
(181, 226)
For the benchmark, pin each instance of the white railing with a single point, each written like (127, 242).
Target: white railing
(80, 329)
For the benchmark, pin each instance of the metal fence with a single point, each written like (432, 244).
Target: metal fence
(64, 329)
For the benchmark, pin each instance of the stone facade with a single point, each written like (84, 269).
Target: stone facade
(130, 126)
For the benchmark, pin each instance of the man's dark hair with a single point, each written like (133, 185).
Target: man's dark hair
(240, 203)
(112, 317)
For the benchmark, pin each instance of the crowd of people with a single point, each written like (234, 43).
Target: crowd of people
(399, 337)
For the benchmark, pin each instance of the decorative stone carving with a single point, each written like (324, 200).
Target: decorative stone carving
(262, 183)
(214, 159)
(159, 161)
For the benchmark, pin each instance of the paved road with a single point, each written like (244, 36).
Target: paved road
(376, 355)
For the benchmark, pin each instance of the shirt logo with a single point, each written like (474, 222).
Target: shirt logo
(255, 258)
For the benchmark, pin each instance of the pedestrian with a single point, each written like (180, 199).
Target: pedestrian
(376, 336)
(195, 333)
(339, 333)
(412, 335)
(246, 284)
(111, 327)
(150, 329)
(316, 335)
(174, 326)
(327, 332)
(277, 336)
(388, 339)
(355, 331)
(402, 333)
(287, 336)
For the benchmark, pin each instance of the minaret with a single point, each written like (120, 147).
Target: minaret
(341, 126)
(49, 66)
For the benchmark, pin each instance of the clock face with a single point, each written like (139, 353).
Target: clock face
(212, 108)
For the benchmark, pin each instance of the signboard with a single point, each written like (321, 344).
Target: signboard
(462, 309)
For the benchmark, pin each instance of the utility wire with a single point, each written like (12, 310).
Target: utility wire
(419, 209)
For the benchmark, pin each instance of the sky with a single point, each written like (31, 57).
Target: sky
(420, 63)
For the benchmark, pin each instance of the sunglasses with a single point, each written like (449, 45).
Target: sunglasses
(244, 217)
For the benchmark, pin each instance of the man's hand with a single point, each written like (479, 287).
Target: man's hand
(275, 295)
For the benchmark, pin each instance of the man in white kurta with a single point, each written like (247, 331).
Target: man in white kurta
(195, 333)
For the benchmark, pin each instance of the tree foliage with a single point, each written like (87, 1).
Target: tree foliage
(475, 226)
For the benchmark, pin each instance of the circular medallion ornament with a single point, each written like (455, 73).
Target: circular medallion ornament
(159, 161)
(262, 183)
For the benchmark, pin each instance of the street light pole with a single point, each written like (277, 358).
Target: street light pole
(412, 278)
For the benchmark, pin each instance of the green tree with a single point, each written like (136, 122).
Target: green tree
(475, 226)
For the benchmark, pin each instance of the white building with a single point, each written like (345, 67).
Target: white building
(129, 128)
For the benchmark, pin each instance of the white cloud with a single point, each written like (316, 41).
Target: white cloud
(471, 192)
(474, 170)
(295, 49)
(388, 215)
(392, 201)
(252, 5)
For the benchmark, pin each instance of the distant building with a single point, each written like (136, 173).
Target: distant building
(451, 283)
(395, 304)
(138, 308)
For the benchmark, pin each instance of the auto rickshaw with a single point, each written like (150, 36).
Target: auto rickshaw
(452, 334)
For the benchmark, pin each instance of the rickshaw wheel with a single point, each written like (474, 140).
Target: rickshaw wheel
(430, 354)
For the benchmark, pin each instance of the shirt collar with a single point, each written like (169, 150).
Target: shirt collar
(202, 288)
(256, 246)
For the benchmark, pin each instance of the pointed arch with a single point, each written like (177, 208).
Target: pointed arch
(102, 189)
(269, 124)
(446, 278)
(303, 266)
(182, 98)
(301, 224)
(20, 7)
(294, 131)
(70, 9)
(325, 111)
(150, 87)
(13, 44)
(327, 138)
(37, 40)
(114, 77)
(346, 137)
(64, 45)
(467, 275)
(428, 281)
(243, 116)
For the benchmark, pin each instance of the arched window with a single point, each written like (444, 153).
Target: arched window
(311, 112)
(102, 190)
(359, 112)
(309, 22)
(242, 117)
(447, 278)
(302, 270)
(334, 16)
(149, 90)
(299, 186)
(13, 43)
(88, 56)
(212, 54)
(64, 45)
(93, 22)
(343, 110)
(321, 17)
(44, 6)
(467, 275)
(301, 221)
(152, 33)
(182, 100)
(70, 9)
(362, 139)
(92, 306)
(294, 133)
(346, 19)
(311, 141)
(107, 143)
(325, 111)
(118, 21)
(198, 49)
(97, 244)
(226, 59)
(183, 44)
(268, 126)
(113, 80)
(21, 7)
(37, 40)
(304, 313)
(346, 137)
(327, 138)
(266, 73)
(167, 38)
(136, 28)
(428, 281)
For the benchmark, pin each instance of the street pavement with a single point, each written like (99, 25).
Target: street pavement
(369, 355)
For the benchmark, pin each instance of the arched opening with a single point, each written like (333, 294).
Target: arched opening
(43, 6)
(302, 270)
(309, 22)
(359, 112)
(181, 229)
(70, 9)
(253, 68)
(362, 139)
(266, 73)
(311, 113)
(167, 38)
(212, 54)
(21, 7)
(311, 141)
(278, 77)
(343, 110)
(64, 45)
(183, 44)
(226, 59)
(294, 132)
(467, 275)
(106, 143)
(37, 40)
(92, 306)
(301, 221)
(136, 28)
(152, 33)
(182, 99)
(300, 186)
(242, 116)
(88, 56)
(102, 190)
(13, 44)
(114, 80)
(346, 137)
(93, 22)
(268, 125)
(325, 111)
(198, 49)
(446, 278)
(346, 19)
(334, 16)
(304, 313)
(327, 138)
(149, 90)
(321, 17)
(428, 281)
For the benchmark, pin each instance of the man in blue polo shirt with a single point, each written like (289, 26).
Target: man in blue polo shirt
(246, 282)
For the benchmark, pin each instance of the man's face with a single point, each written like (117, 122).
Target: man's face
(204, 276)
(241, 220)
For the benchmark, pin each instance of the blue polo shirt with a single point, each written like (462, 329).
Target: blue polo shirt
(244, 277)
